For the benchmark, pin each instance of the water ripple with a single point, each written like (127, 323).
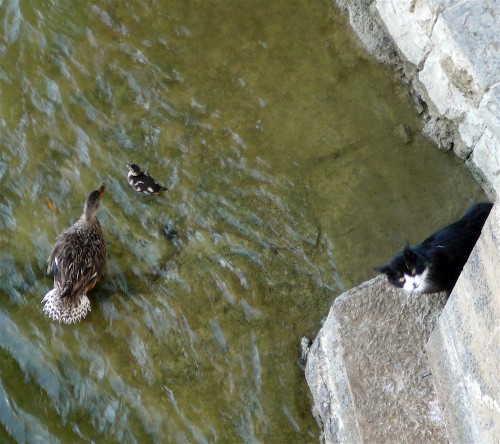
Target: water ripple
(12, 21)
(20, 425)
(30, 358)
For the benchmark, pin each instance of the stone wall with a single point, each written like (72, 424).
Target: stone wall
(464, 348)
(449, 53)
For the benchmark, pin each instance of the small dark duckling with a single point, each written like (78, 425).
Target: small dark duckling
(77, 263)
(142, 181)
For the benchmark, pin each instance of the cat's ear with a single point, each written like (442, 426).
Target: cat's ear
(408, 252)
(385, 269)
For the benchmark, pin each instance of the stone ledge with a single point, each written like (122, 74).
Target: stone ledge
(368, 371)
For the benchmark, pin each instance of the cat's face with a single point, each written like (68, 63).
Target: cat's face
(407, 270)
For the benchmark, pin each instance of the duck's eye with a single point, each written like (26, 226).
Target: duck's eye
(414, 271)
(401, 279)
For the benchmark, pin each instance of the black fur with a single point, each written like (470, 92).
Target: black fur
(439, 259)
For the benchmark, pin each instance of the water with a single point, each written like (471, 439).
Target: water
(277, 138)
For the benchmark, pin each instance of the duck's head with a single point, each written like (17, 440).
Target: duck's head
(92, 203)
(133, 169)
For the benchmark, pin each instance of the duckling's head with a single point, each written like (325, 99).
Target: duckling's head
(92, 203)
(133, 169)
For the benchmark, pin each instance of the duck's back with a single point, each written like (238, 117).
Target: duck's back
(77, 259)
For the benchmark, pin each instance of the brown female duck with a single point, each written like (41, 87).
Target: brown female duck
(77, 263)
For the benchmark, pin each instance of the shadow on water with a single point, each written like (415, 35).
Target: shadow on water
(288, 180)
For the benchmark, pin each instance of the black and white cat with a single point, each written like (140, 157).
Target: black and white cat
(436, 263)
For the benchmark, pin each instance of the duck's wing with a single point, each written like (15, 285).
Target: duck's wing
(153, 183)
(75, 270)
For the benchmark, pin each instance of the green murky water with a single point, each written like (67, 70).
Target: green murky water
(287, 182)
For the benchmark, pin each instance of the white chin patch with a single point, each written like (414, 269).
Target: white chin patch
(412, 283)
(416, 284)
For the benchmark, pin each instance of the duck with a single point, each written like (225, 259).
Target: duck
(141, 181)
(77, 263)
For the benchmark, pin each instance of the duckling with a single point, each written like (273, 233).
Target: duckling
(142, 181)
(77, 263)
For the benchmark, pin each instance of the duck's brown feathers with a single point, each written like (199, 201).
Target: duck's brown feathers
(77, 263)
(77, 259)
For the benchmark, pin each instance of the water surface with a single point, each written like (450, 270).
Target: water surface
(278, 140)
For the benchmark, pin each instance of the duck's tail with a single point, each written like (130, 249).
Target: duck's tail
(66, 310)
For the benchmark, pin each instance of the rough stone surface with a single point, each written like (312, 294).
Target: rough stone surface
(375, 38)
(368, 371)
(407, 24)
(453, 47)
(464, 349)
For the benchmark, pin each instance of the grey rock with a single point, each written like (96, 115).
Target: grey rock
(441, 131)
(403, 132)
(367, 369)
(373, 35)
(464, 349)
(474, 26)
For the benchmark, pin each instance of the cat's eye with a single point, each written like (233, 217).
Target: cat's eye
(414, 271)
(401, 279)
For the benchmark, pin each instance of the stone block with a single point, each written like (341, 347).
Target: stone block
(454, 61)
(472, 128)
(486, 156)
(464, 349)
(490, 111)
(408, 25)
(368, 371)
(474, 27)
(445, 96)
